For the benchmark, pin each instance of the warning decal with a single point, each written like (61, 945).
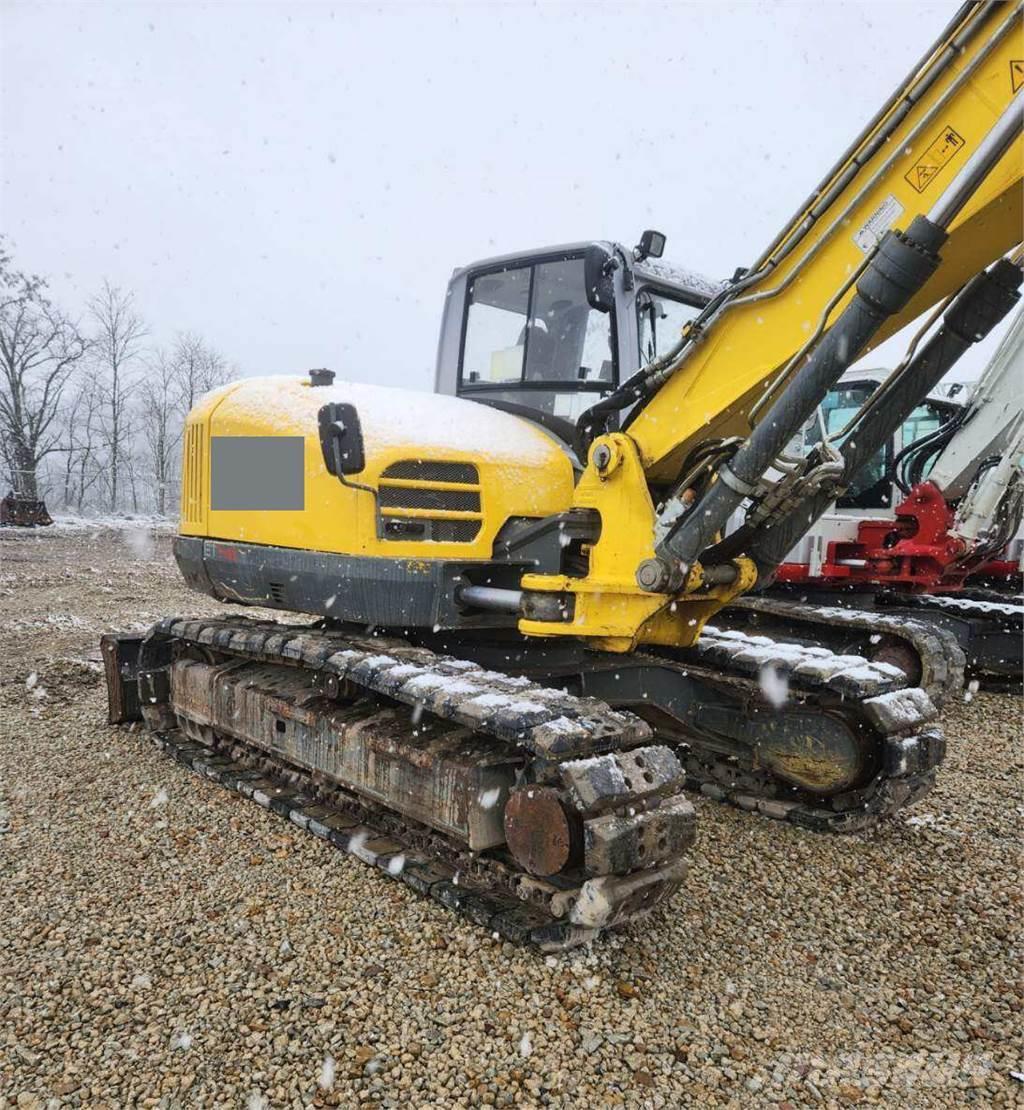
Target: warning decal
(945, 147)
(879, 222)
(1016, 74)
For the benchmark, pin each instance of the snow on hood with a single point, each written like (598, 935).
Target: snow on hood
(390, 418)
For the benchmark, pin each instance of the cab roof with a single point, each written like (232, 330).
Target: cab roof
(653, 270)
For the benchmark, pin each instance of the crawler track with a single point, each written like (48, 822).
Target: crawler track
(402, 757)
(930, 656)
(1007, 610)
(899, 718)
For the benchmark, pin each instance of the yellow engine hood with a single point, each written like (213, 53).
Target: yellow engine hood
(510, 468)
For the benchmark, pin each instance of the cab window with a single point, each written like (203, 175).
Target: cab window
(920, 423)
(660, 321)
(532, 326)
(496, 322)
(872, 489)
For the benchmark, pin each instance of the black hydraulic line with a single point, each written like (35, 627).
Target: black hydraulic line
(977, 309)
(897, 270)
(910, 462)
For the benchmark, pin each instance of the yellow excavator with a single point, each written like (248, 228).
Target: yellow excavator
(505, 678)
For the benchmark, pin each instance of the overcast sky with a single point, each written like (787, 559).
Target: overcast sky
(297, 181)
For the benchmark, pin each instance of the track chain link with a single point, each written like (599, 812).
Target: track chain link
(942, 660)
(1003, 610)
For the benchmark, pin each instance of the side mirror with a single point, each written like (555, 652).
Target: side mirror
(651, 245)
(341, 439)
(598, 268)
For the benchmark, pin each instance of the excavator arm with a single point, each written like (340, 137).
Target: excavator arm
(926, 198)
(981, 465)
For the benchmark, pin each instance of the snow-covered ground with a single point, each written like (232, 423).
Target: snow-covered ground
(67, 522)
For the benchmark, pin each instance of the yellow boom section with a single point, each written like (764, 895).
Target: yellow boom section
(712, 392)
(754, 343)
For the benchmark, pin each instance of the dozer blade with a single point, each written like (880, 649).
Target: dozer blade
(544, 817)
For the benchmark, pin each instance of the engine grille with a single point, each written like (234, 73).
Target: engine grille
(192, 478)
(430, 501)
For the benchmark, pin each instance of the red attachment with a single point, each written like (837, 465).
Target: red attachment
(914, 552)
(998, 568)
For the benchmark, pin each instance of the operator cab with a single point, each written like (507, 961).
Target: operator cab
(545, 334)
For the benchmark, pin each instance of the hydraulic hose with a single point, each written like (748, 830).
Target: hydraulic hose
(975, 311)
(898, 269)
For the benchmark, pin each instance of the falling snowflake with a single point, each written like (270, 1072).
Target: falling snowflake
(774, 685)
(972, 689)
(140, 541)
(396, 865)
(32, 679)
(256, 1101)
(181, 1040)
(526, 1045)
(160, 798)
(326, 1080)
(489, 798)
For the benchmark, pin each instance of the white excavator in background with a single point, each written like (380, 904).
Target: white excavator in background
(942, 503)
(979, 460)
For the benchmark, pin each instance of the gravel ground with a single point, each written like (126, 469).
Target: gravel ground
(164, 943)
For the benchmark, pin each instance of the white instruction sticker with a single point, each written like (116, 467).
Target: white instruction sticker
(879, 222)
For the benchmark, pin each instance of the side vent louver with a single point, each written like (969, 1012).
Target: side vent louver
(436, 502)
(192, 479)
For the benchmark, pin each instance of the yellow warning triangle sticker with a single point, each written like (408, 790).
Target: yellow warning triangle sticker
(1016, 74)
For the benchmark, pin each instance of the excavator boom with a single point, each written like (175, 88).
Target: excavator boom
(899, 167)
(943, 161)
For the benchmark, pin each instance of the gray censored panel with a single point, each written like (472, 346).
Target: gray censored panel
(264, 473)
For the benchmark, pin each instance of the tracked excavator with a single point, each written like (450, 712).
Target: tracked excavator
(942, 501)
(506, 676)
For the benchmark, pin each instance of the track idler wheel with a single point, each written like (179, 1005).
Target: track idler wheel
(893, 650)
(541, 832)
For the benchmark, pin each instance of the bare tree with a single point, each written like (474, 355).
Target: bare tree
(72, 419)
(86, 439)
(118, 346)
(161, 424)
(173, 382)
(197, 369)
(39, 350)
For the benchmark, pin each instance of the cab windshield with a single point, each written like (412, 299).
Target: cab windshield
(872, 489)
(531, 338)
